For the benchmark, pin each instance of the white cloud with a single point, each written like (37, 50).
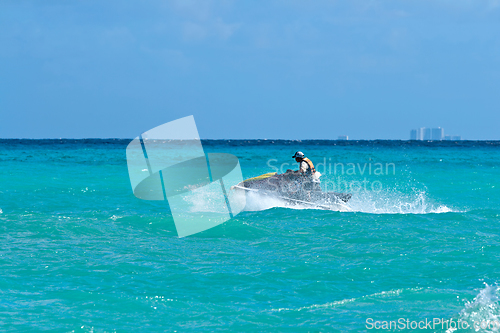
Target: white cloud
(171, 57)
(118, 36)
(494, 4)
(196, 31)
(193, 31)
(224, 30)
(200, 20)
(193, 9)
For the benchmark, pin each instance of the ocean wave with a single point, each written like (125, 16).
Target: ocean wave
(394, 202)
(382, 294)
(483, 312)
(363, 202)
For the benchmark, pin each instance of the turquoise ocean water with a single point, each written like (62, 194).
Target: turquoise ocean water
(78, 252)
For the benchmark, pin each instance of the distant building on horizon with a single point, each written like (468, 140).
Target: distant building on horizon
(417, 134)
(437, 134)
(427, 134)
(453, 137)
(431, 134)
(413, 135)
(343, 137)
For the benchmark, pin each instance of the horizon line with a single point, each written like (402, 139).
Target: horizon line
(261, 139)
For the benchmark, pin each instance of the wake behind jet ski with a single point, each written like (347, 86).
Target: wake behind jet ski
(301, 187)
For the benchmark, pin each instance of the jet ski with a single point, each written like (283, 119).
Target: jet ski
(295, 188)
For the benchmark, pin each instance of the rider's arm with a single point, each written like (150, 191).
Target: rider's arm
(303, 167)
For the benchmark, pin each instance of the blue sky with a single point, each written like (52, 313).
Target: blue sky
(250, 69)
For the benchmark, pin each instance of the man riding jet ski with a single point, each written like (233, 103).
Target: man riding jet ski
(306, 169)
(302, 186)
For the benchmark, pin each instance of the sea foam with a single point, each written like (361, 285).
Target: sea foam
(483, 312)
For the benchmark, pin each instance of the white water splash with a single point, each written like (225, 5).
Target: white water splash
(385, 202)
(206, 199)
(374, 202)
(382, 294)
(203, 200)
(483, 312)
(393, 202)
(257, 202)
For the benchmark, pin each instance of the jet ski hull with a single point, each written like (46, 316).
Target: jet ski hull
(296, 187)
